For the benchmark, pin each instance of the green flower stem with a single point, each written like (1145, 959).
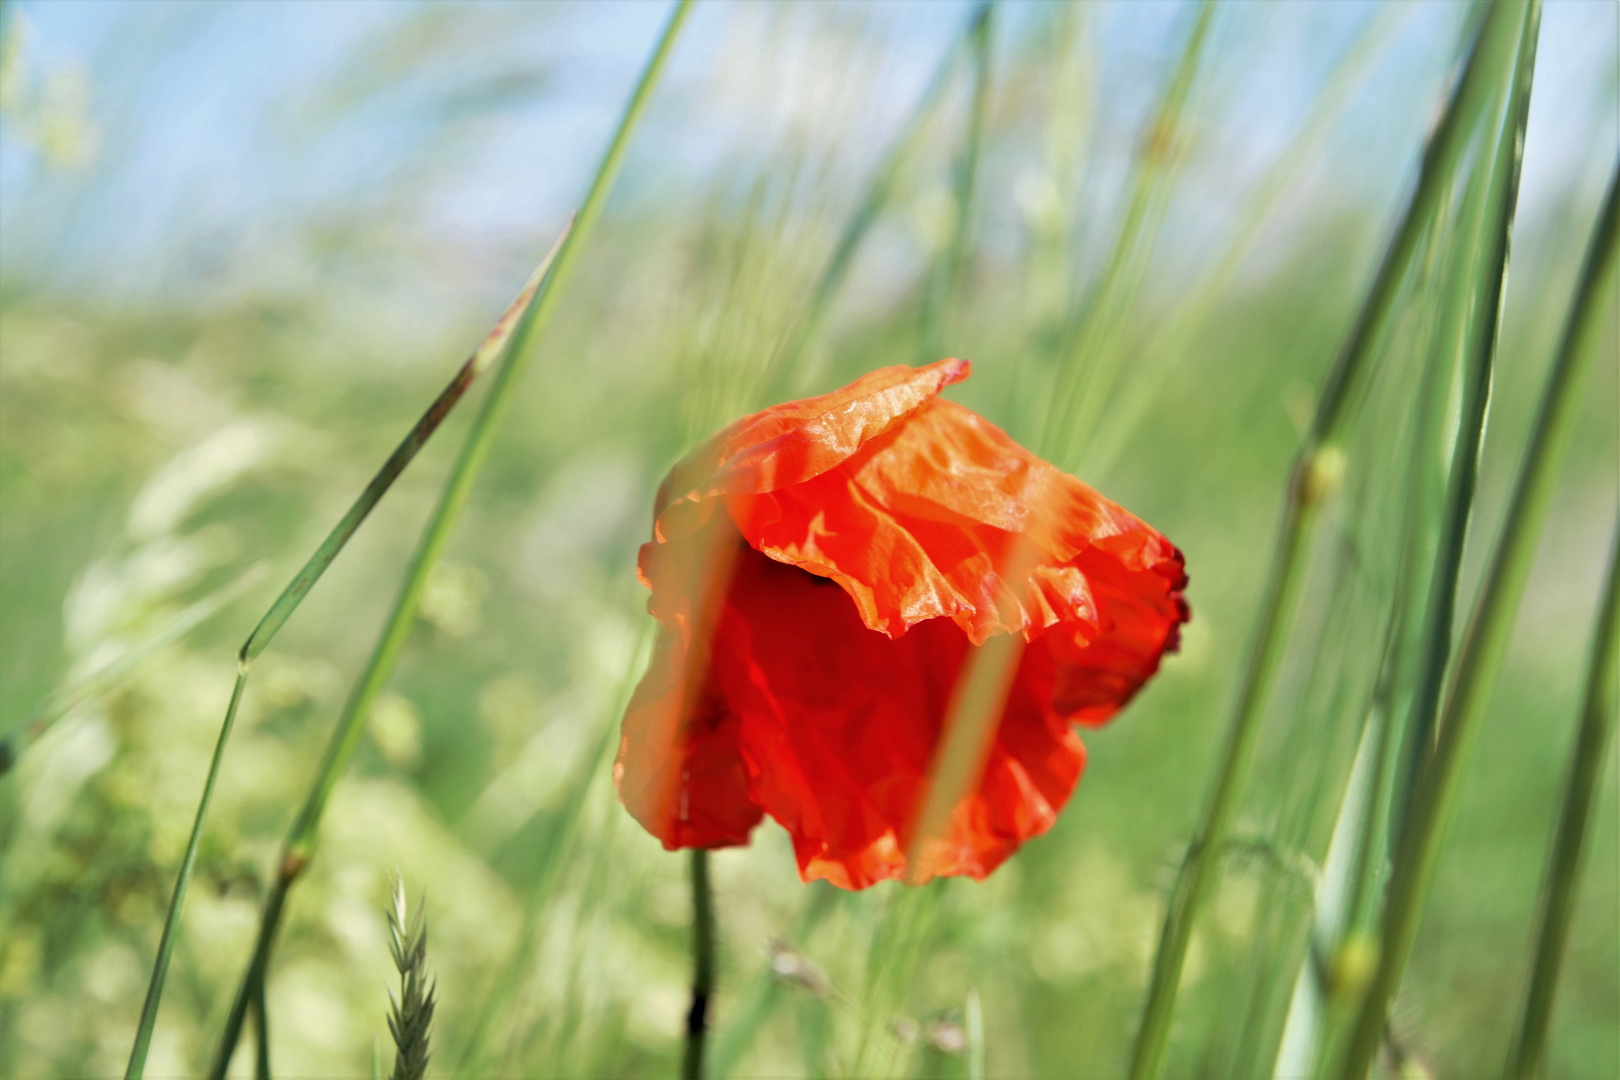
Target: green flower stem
(300, 843)
(1315, 475)
(697, 1018)
(1602, 700)
(261, 1027)
(1486, 637)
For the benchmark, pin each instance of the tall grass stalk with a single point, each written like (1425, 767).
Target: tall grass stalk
(1598, 708)
(1486, 636)
(487, 352)
(299, 846)
(1314, 478)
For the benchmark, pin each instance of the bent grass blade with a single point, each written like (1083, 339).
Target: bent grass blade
(526, 334)
(487, 352)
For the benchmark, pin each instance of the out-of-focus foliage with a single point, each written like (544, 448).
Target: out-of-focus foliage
(220, 311)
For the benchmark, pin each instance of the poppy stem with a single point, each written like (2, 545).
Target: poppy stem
(697, 1018)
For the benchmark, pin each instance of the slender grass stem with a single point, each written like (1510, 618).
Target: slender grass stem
(703, 928)
(1084, 380)
(487, 352)
(873, 200)
(300, 843)
(1486, 636)
(1314, 477)
(1549, 444)
(1601, 701)
(188, 863)
(943, 282)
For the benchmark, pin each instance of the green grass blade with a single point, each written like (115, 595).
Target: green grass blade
(1314, 477)
(1487, 633)
(171, 923)
(1549, 445)
(558, 843)
(1598, 709)
(487, 352)
(346, 735)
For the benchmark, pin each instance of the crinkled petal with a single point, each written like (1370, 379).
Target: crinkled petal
(799, 440)
(839, 726)
(920, 524)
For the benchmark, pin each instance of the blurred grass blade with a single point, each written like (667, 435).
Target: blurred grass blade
(1176, 340)
(1486, 637)
(486, 353)
(109, 676)
(1089, 368)
(757, 999)
(947, 273)
(1598, 709)
(300, 843)
(1318, 469)
(873, 200)
(973, 1029)
(558, 843)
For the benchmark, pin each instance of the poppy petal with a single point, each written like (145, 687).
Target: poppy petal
(839, 725)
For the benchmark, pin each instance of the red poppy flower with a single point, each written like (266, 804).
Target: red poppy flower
(821, 572)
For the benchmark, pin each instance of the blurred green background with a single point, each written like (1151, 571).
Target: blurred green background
(241, 246)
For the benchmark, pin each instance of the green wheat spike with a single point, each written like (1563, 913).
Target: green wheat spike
(410, 1015)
